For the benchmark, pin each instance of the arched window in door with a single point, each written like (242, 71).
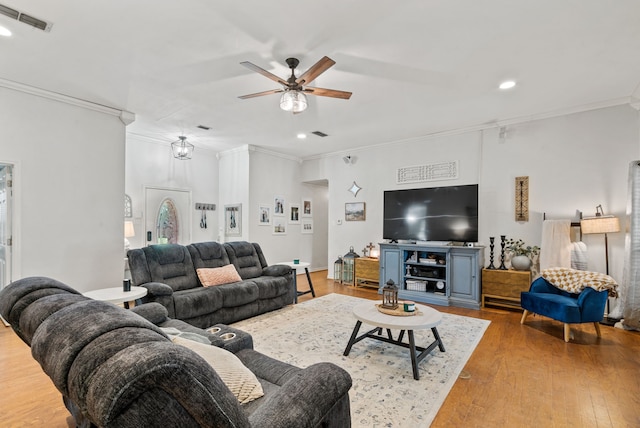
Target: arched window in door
(168, 224)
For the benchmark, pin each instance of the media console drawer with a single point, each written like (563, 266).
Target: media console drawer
(503, 287)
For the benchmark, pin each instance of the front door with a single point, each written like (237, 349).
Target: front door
(167, 216)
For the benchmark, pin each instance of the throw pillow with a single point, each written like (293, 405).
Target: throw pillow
(218, 276)
(238, 378)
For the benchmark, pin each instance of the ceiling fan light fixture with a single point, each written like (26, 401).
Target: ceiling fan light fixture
(293, 101)
(182, 149)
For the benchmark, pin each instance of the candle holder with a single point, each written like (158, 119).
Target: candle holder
(491, 246)
(502, 244)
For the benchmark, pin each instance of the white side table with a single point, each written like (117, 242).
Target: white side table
(116, 295)
(296, 266)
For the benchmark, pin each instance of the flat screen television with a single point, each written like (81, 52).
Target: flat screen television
(432, 214)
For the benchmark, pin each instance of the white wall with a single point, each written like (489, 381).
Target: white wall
(234, 189)
(574, 162)
(68, 189)
(150, 163)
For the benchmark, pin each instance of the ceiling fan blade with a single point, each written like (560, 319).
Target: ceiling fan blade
(260, 94)
(316, 70)
(327, 92)
(264, 72)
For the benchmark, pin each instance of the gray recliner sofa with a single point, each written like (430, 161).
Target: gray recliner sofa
(115, 368)
(169, 274)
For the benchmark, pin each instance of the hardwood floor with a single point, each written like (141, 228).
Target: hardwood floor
(521, 375)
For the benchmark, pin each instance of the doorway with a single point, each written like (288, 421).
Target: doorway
(166, 213)
(6, 236)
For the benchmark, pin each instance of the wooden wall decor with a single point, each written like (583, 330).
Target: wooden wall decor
(522, 199)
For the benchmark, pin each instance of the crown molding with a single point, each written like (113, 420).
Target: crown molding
(126, 116)
(632, 101)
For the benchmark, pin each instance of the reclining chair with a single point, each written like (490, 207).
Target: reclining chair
(570, 308)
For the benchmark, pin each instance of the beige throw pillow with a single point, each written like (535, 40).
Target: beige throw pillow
(238, 378)
(218, 276)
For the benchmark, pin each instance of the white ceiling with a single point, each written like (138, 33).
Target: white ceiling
(415, 67)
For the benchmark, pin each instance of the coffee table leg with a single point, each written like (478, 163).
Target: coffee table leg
(353, 338)
(436, 335)
(412, 351)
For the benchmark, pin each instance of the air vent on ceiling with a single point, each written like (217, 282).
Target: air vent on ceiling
(319, 134)
(206, 128)
(26, 19)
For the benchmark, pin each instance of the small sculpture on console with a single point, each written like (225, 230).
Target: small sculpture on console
(502, 244)
(491, 246)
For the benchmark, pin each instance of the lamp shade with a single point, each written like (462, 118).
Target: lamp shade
(600, 224)
(293, 101)
(129, 232)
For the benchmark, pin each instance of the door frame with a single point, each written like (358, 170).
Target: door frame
(185, 217)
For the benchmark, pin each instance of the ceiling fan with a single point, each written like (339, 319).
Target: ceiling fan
(294, 88)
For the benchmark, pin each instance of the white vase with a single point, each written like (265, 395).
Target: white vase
(521, 262)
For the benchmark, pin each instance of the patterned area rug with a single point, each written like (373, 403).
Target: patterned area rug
(384, 393)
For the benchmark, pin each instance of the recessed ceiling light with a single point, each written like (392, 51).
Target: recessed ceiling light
(508, 84)
(5, 31)
(301, 136)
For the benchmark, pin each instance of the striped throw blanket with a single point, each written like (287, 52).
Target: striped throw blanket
(574, 281)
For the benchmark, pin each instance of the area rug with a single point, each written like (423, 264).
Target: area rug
(384, 393)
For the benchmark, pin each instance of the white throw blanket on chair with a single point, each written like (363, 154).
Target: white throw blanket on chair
(556, 244)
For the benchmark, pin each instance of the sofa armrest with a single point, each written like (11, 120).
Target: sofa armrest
(152, 312)
(158, 289)
(276, 270)
(305, 399)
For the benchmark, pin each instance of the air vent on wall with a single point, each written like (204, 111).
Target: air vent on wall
(24, 18)
(319, 134)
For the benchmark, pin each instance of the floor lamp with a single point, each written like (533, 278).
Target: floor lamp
(602, 224)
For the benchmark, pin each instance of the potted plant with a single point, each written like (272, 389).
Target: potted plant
(521, 253)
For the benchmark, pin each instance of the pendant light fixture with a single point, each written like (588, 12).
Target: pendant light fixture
(293, 101)
(182, 149)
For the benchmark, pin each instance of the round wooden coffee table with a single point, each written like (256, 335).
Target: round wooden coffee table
(368, 313)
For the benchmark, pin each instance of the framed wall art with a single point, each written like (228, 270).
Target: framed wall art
(294, 213)
(264, 215)
(307, 225)
(279, 226)
(278, 205)
(306, 207)
(355, 211)
(233, 220)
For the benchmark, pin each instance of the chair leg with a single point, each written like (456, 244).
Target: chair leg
(567, 332)
(597, 326)
(524, 316)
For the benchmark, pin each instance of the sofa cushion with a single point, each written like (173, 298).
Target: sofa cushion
(238, 378)
(245, 257)
(169, 264)
(272, 286)
(218, 276)
(197, 301)
(208, 255)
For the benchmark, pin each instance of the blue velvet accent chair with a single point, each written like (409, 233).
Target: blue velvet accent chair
(569, 308)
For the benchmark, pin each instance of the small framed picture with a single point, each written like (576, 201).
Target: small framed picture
(294, 213)
(306, 207)
(355, 211)
(264, 215)
(307, 225)
(279, 226)
(278, 205)
(233, 220)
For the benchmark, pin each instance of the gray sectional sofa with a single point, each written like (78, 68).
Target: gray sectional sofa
(169, 274)
(116, 368)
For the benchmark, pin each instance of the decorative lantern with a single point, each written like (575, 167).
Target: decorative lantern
(337, 270)
(390, 295)
(348, 267)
